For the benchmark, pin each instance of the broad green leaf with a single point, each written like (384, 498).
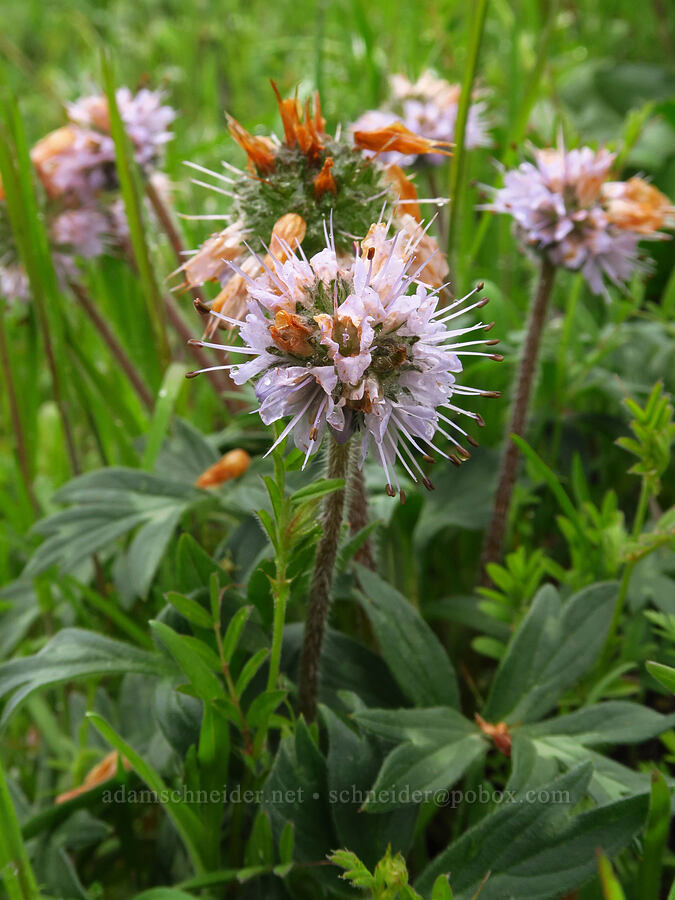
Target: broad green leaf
(346, 665)
(610, 780)
(249, 671)
(353, 763)
(190, 609)
(148, 547)
(206, 684)
(317, 489)
(233, 633)
(435, 725)
(412, 651)
(296, 791)
(533, 847)
(462, 499)
(178, 715)
(194, 566)
(529, 769)
(263, 706)
(23, 610)
(106, 505)
(665, 675)
(260, 847)
(436, 746)
(71, 654)
(552, 649)
(416, 774)
(614, 722)
(466, 610)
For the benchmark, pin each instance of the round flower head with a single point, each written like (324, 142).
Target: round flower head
(74, 163)
(146, 121)
(14, 282)
(429, 108)
(292, 185)
(637, 206)
(77, 161)
(82, 231)
(358, 347)
(564, 207)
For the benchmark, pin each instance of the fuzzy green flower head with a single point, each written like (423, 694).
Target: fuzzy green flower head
(291, 187)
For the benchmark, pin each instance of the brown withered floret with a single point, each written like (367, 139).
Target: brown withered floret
(400, 139)
(291, 333)
(305, 133)
(324, 181)
(406, 190)
(231, 465)
(260, 150)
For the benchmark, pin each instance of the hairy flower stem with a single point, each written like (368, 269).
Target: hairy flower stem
(100, 324)
(492, 547)
(357, 510)
(322, 580)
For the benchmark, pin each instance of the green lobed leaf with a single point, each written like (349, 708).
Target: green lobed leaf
(72, 654)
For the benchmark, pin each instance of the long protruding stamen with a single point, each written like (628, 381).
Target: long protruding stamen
(212, 187)
(226, 348)
(211, 369)
(205, 171)
(441, 314)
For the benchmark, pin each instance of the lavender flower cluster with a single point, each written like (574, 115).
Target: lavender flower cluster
(359, 348)
(566, 208)
(427, 107)
(76, 165)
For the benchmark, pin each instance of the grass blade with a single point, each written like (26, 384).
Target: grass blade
(129, 179)
(15, 866)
